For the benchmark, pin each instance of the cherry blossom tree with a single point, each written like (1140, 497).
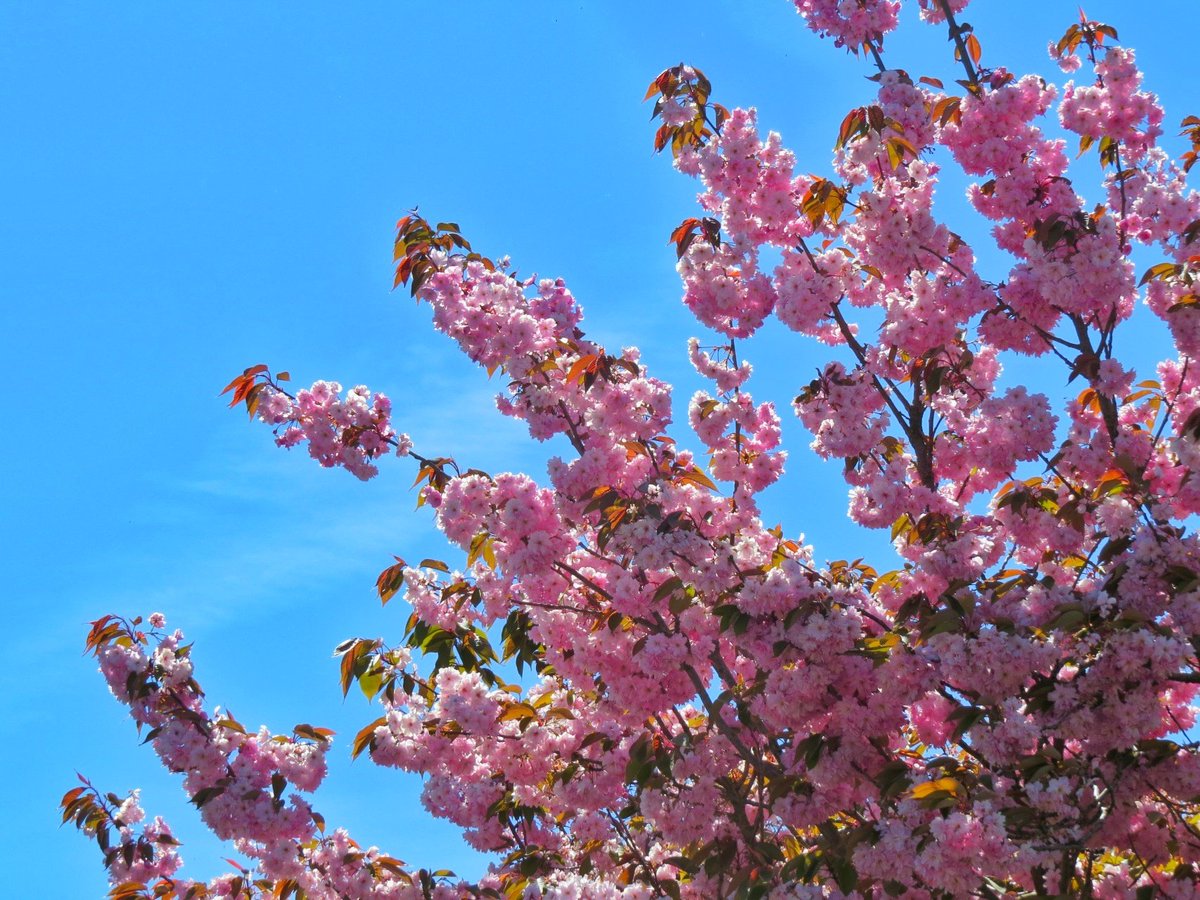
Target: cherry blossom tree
(629, 685)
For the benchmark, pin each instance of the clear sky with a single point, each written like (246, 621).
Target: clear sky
(191, 189)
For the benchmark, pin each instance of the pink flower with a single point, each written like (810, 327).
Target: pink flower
(930, 718)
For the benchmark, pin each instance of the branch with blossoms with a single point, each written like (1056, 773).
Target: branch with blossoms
(350, 432)
(237, 780)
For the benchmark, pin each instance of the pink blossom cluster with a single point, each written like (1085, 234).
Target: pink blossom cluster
(722, 293)
(905, 111)
(536, 341)
(844, 413)
(1114, 107)
(726, 376)
(349, 431)
(164, 860)
(806, 292)
(980, 450)
(742, 438)
(851, 23)
(1158, 207)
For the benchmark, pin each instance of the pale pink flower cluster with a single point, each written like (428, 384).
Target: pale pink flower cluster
(851, 23)
(843, 412)
(141, 866)
(726, 377)
(965, 847)
(486, 312)
(349, 431)
(678, 112)
(806, 292)
(722, 292)
(1014, 427)
(538, 344)
(995, 134)
(905, 108)
(742, 439)
(1159, 207)
(1114, 107)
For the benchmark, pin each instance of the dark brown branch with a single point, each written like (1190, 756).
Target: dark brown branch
(956, 36)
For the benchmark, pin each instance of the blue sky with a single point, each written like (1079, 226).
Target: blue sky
(194, 189)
